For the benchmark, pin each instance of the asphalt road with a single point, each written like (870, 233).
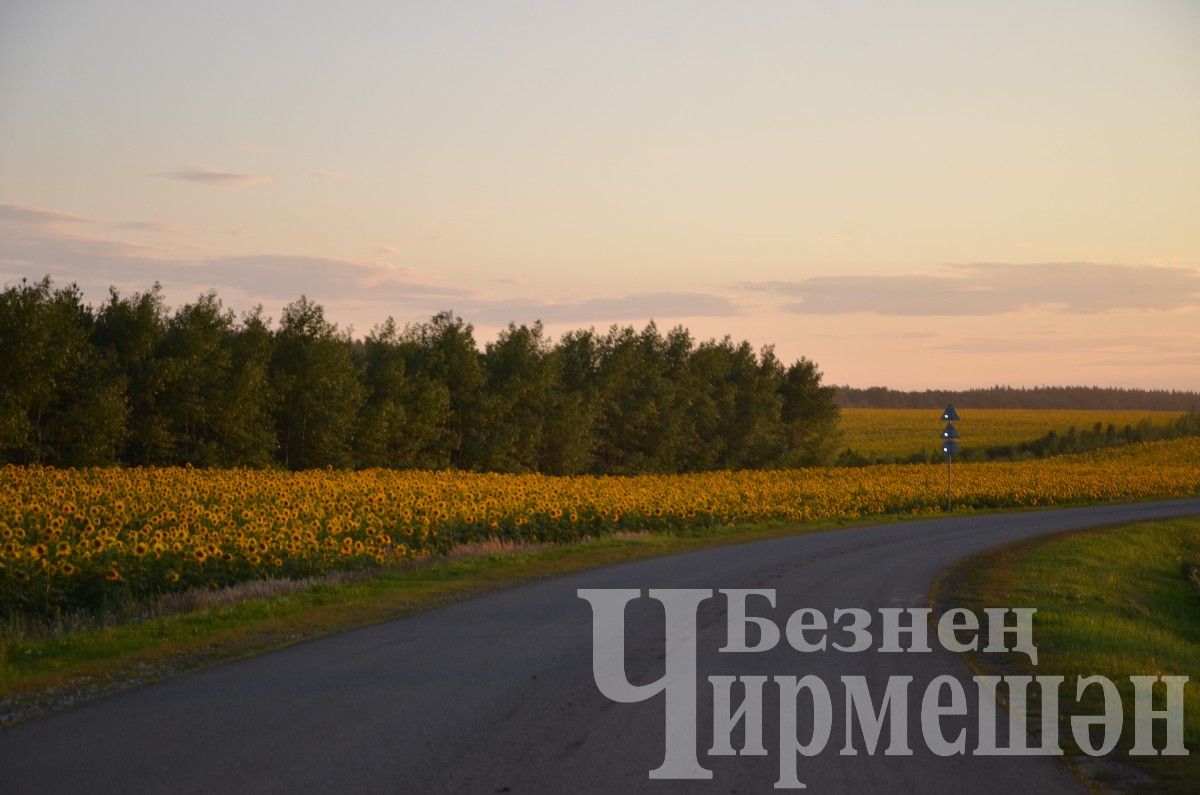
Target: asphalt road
(496, 694)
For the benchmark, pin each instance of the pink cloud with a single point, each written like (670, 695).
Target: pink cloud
(23, 214)
(214, 178)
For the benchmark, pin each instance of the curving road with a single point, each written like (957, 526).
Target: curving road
(496, 694)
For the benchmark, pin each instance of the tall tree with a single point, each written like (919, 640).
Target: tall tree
(444, 351)
(316, 387)
(810, 415)
(59, 403)
(129, 333)
(244, 429)
(737, 411)
(571, 412)
(196, 361)
(757, 433)
(636, 396)
(403, 419)
(520, 382)
(214, 390)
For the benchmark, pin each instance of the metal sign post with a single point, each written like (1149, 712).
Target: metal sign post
(949, 449)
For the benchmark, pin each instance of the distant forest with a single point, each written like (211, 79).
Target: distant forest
(1007, 397)
(132, 382)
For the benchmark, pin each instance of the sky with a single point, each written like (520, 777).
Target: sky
(917, 195)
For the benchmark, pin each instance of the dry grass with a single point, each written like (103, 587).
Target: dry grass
(498, 546)
(32, 628)
(491, 546)
(205, 598)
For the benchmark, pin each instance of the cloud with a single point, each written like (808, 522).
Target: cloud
(38, 248)
(332, 176)
(993, 289)
(156, 227)
(34, 243)
(21, 214)
(638, 306)
(876, 335)
(1154, 361)
(208, 176)
(362, 290)
(284, 277)
(1137, 347)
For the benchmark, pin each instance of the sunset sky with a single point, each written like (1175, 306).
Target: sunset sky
(936, 194)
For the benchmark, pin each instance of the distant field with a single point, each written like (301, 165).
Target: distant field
(900, 433)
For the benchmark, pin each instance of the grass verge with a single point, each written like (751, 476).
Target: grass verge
(1116, 602)
(42, 674)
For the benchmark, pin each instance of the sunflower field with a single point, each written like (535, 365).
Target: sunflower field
(84, 538)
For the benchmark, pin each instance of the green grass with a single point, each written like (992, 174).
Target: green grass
(1117, 602)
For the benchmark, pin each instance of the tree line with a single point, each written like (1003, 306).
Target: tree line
(1100, 435)
(1007, 397)
(132, 382)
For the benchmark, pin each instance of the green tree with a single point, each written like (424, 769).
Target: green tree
(636, 397)
(757, 438)
(444, 351)
(244, 431)
(571, 410)
(129, 332)
(214, 394)
(810, 415)
(737, 408)
(59, 402)
(195, 362)
(316, 389)
(403, 419)
(520, 383)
